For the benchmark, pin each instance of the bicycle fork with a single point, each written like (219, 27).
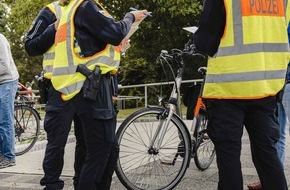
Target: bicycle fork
(164, 120)
(158, 137)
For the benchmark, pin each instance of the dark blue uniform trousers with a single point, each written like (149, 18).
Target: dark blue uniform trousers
(227, 119)
(102, 155)
(99, 124)
(57, 125)
(98, 121)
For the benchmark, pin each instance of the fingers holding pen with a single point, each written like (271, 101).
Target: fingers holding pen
(124, 45)
(139, 14)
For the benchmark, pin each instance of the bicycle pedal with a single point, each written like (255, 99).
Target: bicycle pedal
(167, 163)
(206, 137)
(193, 144)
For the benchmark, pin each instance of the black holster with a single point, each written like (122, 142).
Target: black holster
(91, 85)
(43, 85)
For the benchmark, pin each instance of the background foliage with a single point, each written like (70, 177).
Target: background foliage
(161, 31)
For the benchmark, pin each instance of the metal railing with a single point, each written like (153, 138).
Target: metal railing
(121, 97)
(145, 86)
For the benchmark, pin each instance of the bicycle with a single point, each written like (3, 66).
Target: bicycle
(155, 144)
(202, 157)
(26, 121)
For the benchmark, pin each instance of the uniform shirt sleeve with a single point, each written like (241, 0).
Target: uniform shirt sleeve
(41, 36)
(94, 30)
(211, 27)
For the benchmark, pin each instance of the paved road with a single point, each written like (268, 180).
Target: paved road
(28, 171)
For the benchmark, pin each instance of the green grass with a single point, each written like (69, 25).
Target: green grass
(126, 112)
(122, 113)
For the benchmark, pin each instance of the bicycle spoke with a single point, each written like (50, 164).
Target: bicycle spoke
(143, 167)
(26, 123)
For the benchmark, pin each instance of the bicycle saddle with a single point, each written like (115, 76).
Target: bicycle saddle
(202, 70)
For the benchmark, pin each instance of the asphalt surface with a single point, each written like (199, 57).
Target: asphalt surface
(28, 171)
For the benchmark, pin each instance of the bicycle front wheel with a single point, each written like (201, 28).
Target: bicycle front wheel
(142, 165)
(26, 124)
(204, 151)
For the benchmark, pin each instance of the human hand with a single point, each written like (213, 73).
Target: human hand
(64, 2)
(114, 99)
(139, 15)
(56, 23)
(190, 46)
(124, 45)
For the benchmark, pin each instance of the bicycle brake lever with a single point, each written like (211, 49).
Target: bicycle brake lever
(164, 53)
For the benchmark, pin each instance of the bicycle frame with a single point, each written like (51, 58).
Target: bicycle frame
(199, 103)
(24, 115)
(174, 101)
(156, 145)
(167, 115)
(26, 94)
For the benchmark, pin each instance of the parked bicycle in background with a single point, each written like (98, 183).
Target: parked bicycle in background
(26, 120)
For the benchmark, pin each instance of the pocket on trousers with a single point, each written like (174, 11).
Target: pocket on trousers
(54, 103)
(103, 105)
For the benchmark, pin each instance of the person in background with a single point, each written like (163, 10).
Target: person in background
(284, 109)
(244, 75)
(283, 112)
(8, 87)
(40, 41)
(86, 57)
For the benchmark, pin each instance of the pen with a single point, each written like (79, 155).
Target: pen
(134, 9)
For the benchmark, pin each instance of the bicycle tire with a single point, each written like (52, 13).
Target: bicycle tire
(27, 125)
(204, 150)
(140, 166)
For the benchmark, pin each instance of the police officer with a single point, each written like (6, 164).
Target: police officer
(247, 71)
(87, 26)
(40, 41)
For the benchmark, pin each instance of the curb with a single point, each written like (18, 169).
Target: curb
(40, 145)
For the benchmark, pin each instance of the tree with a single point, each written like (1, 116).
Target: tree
(3, 17)
(21, 16)
(161, 31)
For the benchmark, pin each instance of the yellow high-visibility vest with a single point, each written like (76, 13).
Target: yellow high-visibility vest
(65, 79)
(49, 55)
(253, 54)
(288, 12)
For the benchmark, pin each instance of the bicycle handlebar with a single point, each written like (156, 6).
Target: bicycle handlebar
(177, 54)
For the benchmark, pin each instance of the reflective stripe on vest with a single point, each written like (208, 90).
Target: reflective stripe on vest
(253, 54)
(65, 79)
(49, 55)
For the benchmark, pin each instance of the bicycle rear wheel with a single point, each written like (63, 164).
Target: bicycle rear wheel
(26, 124)
(143, 167)
(204, 150)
